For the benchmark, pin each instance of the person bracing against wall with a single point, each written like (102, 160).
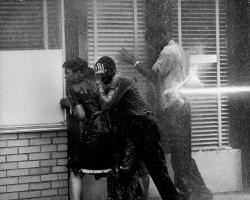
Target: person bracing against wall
(92, 141)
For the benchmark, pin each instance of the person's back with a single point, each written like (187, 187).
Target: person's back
(171, 68)
(130, 100)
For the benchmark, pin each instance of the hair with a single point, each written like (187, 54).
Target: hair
(108, 63)
(75, 65)
(109, 67)
(80, 65)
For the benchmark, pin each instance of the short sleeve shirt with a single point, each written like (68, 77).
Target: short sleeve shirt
(172, 69)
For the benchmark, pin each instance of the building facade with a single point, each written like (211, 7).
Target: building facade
(37, 36)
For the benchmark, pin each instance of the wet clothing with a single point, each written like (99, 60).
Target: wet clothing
(171, 68)
(123, 101)
(100, 146)
(74, 143)
(168, 74)
(187, 176)
(96, 147)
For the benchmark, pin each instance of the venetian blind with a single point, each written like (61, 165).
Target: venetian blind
(113, 24)
(200, 26)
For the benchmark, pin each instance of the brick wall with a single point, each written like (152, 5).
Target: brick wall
(33, 166)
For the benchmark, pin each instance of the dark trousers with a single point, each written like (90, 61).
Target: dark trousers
(177, 121)
(144, 133)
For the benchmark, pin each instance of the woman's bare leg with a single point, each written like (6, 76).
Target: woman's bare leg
(75, 186)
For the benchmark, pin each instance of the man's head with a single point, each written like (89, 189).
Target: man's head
(109, 68)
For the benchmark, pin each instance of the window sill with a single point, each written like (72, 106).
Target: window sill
(33, 128)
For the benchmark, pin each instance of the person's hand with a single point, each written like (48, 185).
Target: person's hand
(65, 103)
(99, 71)
(127, 56)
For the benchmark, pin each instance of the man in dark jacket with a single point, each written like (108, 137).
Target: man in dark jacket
(119, 96)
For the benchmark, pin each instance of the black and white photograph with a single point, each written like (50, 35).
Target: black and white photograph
(124, 99)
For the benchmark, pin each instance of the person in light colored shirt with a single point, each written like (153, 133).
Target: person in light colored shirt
(168, 74)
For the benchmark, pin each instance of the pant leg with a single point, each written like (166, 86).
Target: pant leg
(128, 173)
(177, 119)
(187, 176)
(146, 138)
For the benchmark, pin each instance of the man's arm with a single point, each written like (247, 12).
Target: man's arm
(148, 73)
(163, 64)
(130, 58)
(106, 99)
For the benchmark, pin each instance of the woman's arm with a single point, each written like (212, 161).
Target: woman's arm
(77, 108)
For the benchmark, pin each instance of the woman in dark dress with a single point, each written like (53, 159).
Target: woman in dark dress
(95, 147)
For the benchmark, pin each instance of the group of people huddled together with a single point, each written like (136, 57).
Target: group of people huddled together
(112, 132)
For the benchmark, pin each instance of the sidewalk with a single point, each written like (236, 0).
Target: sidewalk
(223, 196)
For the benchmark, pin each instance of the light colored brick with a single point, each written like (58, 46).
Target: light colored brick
(49, 177)
(9, 196)
(28, 164)
(63, 191)
(59, 184)
(17, 188)
(3, 189)
(39, 156)
(62, 176)
(59, 169)
(3, 174)
(7, 151)
(62, 161)
(60, 140)
(59, 197)
(30, 149)
(48, 163)
(29, 179)
(18, 172)
(8, 136)
(51, 192)
(8, 181)
(40, 141)
(49, 148)
(29, 135)
(40, 170)
(2, 159)
(50, 135)
(18, 157)
(6, 166)
(39, 186)
(62, 147)
(62, 134)
(3, 144)
(59, 154)
(30, 194)
(17, 143)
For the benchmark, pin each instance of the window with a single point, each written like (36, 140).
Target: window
(200, 26)
(113, 24)
(31, 57)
